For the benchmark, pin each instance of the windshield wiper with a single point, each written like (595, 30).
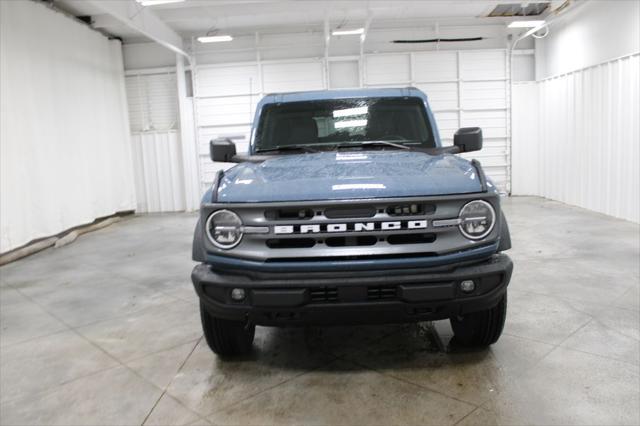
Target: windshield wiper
(304, 148)
(371, 143)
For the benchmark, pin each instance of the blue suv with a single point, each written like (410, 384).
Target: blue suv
(347, 209)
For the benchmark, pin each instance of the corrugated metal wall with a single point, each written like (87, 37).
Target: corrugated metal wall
(465, 88)
(65, 155)
(158, 171)
(526, 139)
(152, 101)
(586, 151)
(153, 112)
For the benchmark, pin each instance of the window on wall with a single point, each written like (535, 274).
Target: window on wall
(152, 101)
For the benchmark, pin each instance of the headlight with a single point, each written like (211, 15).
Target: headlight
(477, 219)
(224, 229)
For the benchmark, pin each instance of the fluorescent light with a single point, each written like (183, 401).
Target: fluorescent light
(156, 2)
(350, 111)
(350, 123)
(525, 24)
(214, 39)
(357, 31)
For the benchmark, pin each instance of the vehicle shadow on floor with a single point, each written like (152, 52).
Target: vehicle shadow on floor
(364, 347)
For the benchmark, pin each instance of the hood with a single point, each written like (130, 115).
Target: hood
(348, 175)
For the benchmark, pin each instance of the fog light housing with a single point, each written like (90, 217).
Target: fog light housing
(467, 286)
(238, 294)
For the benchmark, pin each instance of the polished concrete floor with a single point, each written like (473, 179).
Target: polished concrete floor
(106, 331)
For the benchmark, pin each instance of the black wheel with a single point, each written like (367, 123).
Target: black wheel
(480, 328)
(224, 337)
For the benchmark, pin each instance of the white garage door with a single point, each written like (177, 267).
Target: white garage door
(465, 88)
(226, 96)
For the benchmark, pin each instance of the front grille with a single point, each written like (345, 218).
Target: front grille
(364, 240)
(324, 294)
(411, 238)
(353, 257)
(355, 226)
(350, 213)
(345, 230)
(285, 243)
(382, 292)
(330, 294)
(289, 214)
(410, 209)
(357, 212)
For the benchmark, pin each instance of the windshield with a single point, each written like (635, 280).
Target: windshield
(330, 123)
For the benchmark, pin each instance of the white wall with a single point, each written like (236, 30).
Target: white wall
(465, 88)
(581, 146)
(158, 171)
(523, 67)
(157, 143)
(147, 55)
(593, 32)
(152, 101)
(525, 138)
(65, 154)
(576, 133)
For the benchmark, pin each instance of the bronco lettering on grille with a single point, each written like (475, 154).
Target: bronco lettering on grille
(350, 227)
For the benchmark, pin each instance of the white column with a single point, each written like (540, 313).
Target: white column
(188, 140)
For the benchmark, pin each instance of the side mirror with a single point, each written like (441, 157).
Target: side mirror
(468, 139)
(222, 149)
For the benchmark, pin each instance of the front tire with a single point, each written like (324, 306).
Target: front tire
(226, 338)
(480, 329)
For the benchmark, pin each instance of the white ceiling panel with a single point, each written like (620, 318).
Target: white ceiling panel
(196, 17)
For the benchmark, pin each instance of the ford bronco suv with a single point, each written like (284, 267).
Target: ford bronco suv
(347, 209)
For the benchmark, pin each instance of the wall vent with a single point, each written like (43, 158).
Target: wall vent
(517, 9)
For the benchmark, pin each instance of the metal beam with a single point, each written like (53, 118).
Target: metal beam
(104, 21)
(364, 34)
(142, 20)
(188, 140)
(363, 37)
(327, 39)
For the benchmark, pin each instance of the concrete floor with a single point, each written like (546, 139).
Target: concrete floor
(106, 331)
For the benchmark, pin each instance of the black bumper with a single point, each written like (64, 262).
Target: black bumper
(353, 297)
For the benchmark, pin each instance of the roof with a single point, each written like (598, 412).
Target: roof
(317, 95)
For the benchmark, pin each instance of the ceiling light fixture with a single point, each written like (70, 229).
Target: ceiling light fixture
(157, 2)
(526, 24)
(357, 31)
(215, 39)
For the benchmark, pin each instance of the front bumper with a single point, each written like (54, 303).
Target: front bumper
(360, 297)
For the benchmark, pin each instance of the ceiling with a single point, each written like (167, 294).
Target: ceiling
(241, 17)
